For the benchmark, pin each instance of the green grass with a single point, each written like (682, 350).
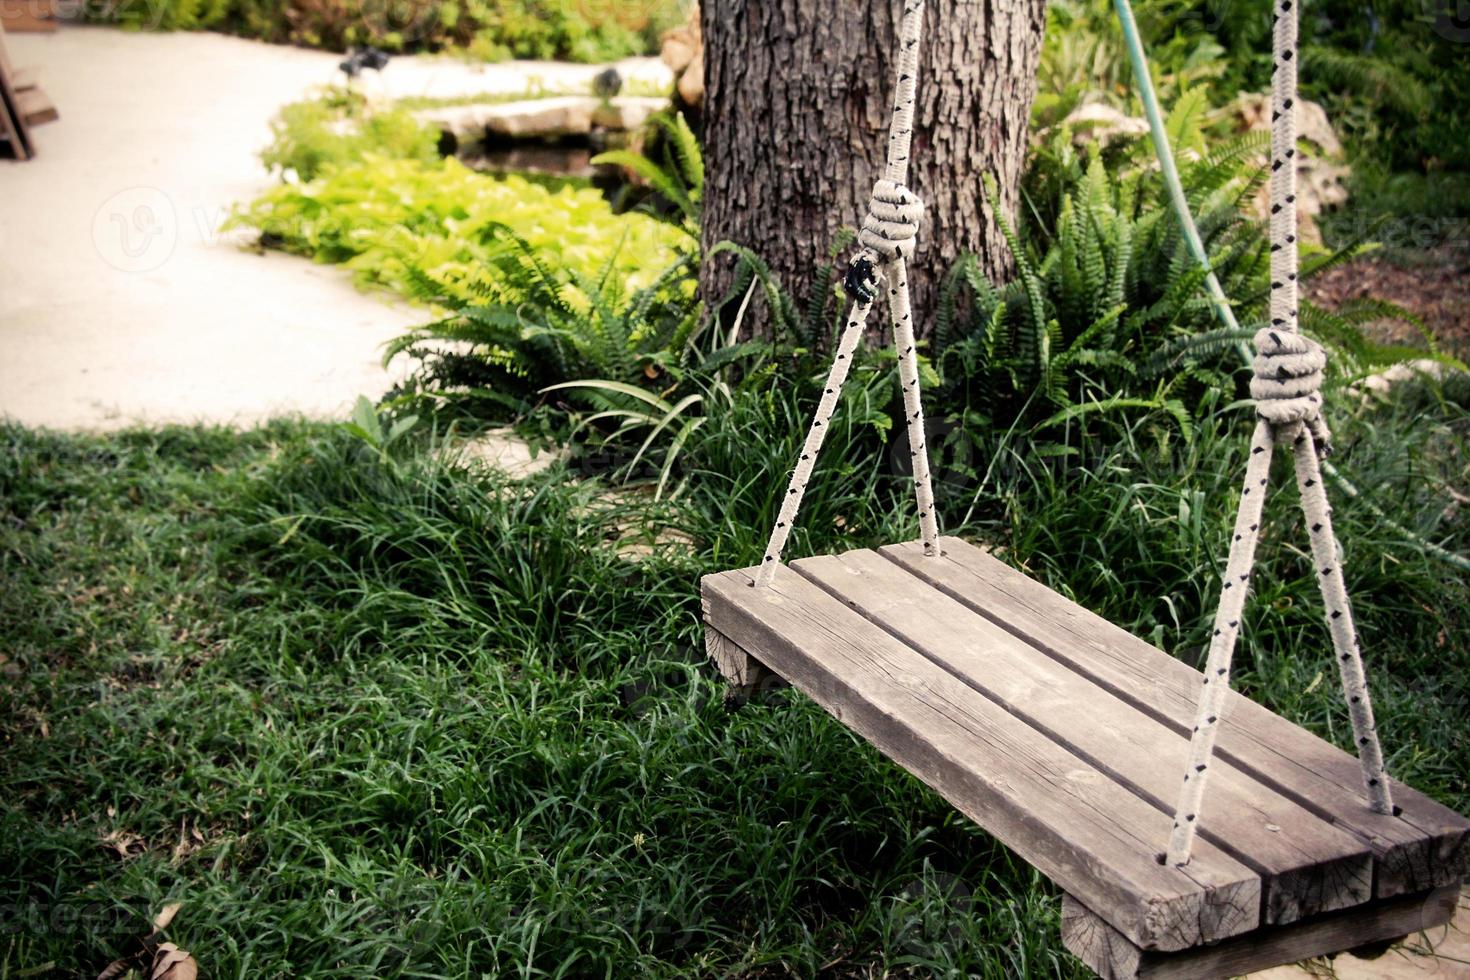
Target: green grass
(427, 723)
(430, 722)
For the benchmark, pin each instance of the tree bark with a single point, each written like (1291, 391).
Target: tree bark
(796, 123)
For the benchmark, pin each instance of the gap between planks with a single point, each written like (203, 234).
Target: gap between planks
(1307, 865)
(1424, 846)
(1066, 818)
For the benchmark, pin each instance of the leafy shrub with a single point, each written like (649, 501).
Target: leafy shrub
(1083, 58)
(580, 30)
(1107, 312)
(383, 216)
(1108, 315)
(338, 130)
(516, 326)
(576, 30)
(678, 179)
(1391, 77)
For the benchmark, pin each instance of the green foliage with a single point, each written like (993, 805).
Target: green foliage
(338, 130)
(1100, 292)
(515, 325)
(1390, 76)
(679, 179)
(168, 15)
(579, 30)
(629, 377)
(576, 30)
(1083, 59)
(377, 433)
(429, 721)
(1107, 319)
(384, 217)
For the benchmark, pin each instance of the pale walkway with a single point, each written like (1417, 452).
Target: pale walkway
(119, 300)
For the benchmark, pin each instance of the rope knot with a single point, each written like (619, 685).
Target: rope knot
(1287, 384)
(891, 226)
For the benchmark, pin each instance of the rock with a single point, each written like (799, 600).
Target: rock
(1253, 112)
(501, 449)
(691, 83)
(677, 50)
(683, 52)
(680, 45)
(628, 112)
(541, 118)
(1097, 121)
(1382, 383)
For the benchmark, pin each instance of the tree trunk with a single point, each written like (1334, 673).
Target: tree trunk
(796, 125)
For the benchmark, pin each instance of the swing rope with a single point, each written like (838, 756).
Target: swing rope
(1287, 387)
(1287, 383)
(888, 237)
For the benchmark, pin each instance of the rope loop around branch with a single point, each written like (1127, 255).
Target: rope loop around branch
(1287, 384)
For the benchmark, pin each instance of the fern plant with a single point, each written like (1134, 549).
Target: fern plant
(678, 178)
(516, 326)
(1111, 283)
(708, 366)
(1107, 319)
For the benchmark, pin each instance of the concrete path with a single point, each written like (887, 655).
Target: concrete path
(120, 301)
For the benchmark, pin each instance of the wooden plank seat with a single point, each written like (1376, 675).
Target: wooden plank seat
(1065, 737)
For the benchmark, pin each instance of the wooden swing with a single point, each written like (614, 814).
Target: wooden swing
(1065, 736)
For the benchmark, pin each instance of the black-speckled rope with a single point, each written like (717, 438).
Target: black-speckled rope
(888, 236)
(1287, 386)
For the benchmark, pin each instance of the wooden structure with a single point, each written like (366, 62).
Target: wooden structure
(1064, 736)
(22, 105)
(29, 16)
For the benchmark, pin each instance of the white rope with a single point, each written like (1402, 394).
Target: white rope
(889, 236)
(1287, 387)
(1327, 557)
(892, 222)
(913, 409)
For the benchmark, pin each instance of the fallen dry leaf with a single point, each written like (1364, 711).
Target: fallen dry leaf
(116, 969)
(172, 963)
(156, 960)
(166, 915)
(125, 843)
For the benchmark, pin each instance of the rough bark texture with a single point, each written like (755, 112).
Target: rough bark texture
(796, 117)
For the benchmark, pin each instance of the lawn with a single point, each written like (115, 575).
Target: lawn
(370, 712)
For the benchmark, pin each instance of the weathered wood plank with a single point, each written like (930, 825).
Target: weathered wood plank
(35, 108)
(1113, 957)
(12, 122)
(746, 675)
(1426, 846)
(1070, 821)
(1307, 865)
